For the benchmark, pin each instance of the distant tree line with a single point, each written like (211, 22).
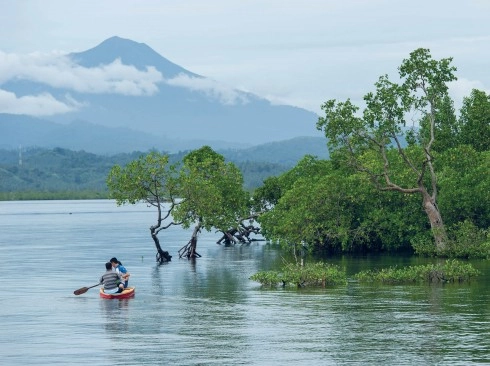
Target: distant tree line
(40, 173)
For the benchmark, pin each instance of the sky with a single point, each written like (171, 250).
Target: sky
(299, 53)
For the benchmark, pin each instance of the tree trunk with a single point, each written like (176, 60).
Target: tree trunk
(192, 248)
(228, 237)
(435, 219)
(241, 235)
(189, 250)
(193, 243)
(162, 256)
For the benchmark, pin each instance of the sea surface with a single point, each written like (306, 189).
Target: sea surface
(207, 311)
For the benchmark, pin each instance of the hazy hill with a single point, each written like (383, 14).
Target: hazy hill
(287, 152)
(24, 131)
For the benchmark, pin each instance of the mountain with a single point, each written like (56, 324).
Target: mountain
(162, 106)
(130, 53)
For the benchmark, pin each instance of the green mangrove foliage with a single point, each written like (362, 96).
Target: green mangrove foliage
(150, 179)
(203, 191)
(465, 241)
(474, 123)
(464, 183)
(52, 195)
(321, 274)
(380, 129)
(212, 195)
(330, 209)
(388, 186)
(310, 275)
(451, 270)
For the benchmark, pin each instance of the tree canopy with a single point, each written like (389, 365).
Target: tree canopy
(406, 146)
(211, 190)
(203, 190)
(419, 95)
(148, 179)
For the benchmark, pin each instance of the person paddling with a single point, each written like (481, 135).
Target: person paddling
(111, 280)
(121, 270)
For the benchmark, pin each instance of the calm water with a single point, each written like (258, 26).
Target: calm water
(208, 312)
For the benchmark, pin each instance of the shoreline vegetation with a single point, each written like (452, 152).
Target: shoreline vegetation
(51, 196)
(322, 275)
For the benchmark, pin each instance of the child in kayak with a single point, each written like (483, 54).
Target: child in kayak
(121, 270)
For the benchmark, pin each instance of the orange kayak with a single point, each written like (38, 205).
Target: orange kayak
(127, 293)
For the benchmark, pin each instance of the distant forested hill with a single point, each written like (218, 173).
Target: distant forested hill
(62, 170)
(56, 170)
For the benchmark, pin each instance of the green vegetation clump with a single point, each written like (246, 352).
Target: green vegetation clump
(451, 271)
(54, 195)
(465, 241)
(310, 275)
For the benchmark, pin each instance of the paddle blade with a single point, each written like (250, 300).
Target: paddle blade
(81, 291)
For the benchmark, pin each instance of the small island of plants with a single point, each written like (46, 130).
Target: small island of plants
(314, 274)
(451, 270)
(321, 274)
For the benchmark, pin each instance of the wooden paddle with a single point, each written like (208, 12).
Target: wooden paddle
(84, 289)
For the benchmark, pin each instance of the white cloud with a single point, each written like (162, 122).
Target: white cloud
(223, 93)
(35, 105)
(60, 72)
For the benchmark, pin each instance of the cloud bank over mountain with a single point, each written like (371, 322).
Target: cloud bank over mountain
(126, 85)
(281, 50)
(62, 72)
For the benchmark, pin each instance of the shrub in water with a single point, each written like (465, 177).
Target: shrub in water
(314, 274)
(451, 271)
